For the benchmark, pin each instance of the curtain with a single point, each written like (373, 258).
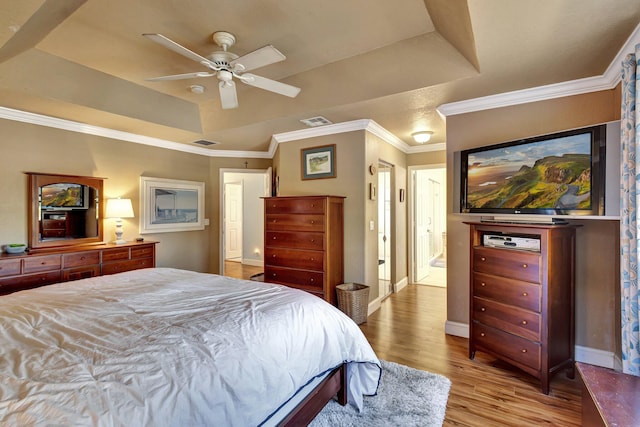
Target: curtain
(629, 235)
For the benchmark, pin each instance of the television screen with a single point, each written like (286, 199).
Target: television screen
(62, 195)
(558, 174)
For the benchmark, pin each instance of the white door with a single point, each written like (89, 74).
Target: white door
(384, 229)
(233, 220)
(422, 225)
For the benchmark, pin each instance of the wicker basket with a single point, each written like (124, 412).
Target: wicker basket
(353, 300)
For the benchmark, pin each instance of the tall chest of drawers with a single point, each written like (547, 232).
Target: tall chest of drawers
(304, 243)
(521, 301)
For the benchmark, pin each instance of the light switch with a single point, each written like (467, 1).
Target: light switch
(372, 225)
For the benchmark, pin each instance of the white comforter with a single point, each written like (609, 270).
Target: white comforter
(166, 347)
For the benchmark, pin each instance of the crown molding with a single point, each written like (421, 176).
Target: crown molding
(608, 80)
(354, 125)
(72, 126)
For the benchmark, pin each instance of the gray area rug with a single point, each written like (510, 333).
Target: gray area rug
(406, 397)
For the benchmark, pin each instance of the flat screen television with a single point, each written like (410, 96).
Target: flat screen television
(63, 196)
(556, 174)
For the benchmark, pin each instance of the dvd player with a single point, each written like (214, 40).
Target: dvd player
(513, 242)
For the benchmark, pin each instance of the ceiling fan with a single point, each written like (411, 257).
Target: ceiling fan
(226, 65)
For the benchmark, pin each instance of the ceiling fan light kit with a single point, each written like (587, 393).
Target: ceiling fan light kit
(227, 65)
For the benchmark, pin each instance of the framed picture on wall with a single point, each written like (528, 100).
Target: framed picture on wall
(319, 162)
(170, 205)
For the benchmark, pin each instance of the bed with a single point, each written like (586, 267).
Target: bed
(168, 347)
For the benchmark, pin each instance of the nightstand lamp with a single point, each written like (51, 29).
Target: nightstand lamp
(118, 209)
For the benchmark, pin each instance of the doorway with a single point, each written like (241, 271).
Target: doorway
(428, 219)
(241, 220)
(385, 258)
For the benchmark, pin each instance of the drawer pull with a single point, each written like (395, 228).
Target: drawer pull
(43, 263)
(274, 237)
(82, 258)
(524, 350)
(313, 222)
(483, 284)
(524, 266)
(483, 259)
(482, 334)
(525, 294)
(312, 280)
(273, 256)
(483, 309)
(524, 322)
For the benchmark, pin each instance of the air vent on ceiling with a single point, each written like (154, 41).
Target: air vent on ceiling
(316, 121)
(204, 142)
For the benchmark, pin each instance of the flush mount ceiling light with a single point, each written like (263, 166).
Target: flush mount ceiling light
(196, 89)
(422, 136)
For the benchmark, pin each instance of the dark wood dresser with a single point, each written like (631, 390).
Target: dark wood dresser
(304, 243)
(30, 270)
(522, 301)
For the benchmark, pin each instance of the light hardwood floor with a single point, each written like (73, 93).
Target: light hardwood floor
(409, 329)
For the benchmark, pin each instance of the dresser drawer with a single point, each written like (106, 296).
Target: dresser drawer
(304, 222)
(54, 223)
(141, 252)
(296, 206)
(41, 263)
(518, 350)
(513, 292)
(510, 319)
(81, 272)
(302, 279)
(120, 266)
(115, 254)
(9, 267)
(80, 259)
(293, 258)
(29, 281)
(295, 239)
(509, 263)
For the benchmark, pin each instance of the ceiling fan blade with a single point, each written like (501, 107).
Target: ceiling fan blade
(270, 85)
(181, 76)
(50, 14)
(228, 95)
(177, 48)
(259, 58)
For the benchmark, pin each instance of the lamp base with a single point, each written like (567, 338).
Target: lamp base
(119, 241)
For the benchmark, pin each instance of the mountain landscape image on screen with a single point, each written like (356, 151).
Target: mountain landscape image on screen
(533, 176)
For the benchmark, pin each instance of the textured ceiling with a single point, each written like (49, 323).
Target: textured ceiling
(393, 62)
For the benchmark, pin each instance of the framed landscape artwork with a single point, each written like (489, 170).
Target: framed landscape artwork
(170, 205)
(319, 162)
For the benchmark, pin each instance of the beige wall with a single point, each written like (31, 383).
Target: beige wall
(31, 148)
(597, 257)
(355, 151)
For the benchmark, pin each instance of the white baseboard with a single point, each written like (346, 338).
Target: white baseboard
(592, 356)
(254, 262)
(456, 329)
(374, 306)
(401, 285)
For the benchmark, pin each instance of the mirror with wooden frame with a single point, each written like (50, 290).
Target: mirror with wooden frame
(64, 210)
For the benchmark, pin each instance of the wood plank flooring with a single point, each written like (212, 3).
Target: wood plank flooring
(409, 329)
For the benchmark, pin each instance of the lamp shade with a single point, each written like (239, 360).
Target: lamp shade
(119, 208)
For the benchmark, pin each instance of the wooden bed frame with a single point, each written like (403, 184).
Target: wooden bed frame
(311, 406)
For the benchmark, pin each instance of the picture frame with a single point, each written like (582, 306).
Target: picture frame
(169, 205)
(319, 162)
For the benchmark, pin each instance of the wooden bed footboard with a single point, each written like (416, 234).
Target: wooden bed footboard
(334, 384)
